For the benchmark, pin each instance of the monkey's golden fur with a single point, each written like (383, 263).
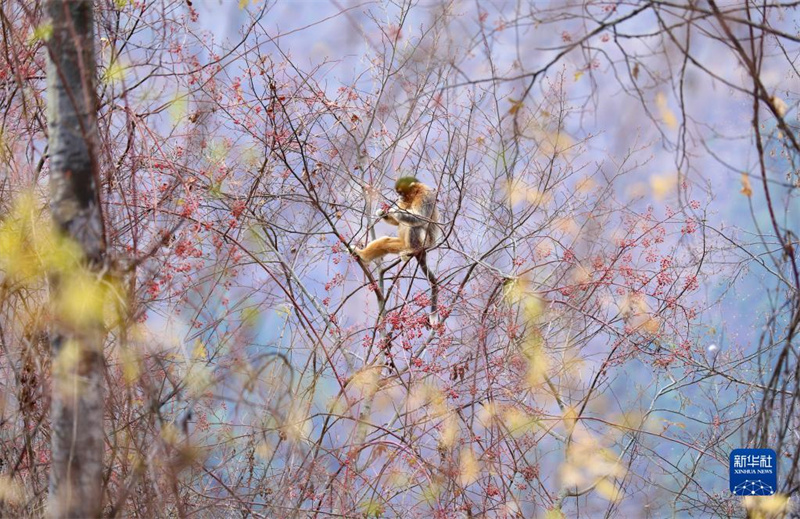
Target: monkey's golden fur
(416, 218)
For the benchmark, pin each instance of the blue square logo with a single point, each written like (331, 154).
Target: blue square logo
(753, 472)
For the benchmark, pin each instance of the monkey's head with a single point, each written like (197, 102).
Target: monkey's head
(406, 186)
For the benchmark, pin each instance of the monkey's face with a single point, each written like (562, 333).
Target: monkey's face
(404, 192)
(406, 186)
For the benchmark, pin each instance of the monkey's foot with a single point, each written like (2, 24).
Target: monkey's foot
(357, 253)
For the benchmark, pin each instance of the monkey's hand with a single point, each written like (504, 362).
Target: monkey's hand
(384, 210)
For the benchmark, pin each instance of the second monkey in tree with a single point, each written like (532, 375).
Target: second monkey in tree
(416, 218)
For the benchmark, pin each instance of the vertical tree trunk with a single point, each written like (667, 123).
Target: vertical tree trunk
(77, 407)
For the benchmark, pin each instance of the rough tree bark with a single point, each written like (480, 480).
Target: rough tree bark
(77, 407)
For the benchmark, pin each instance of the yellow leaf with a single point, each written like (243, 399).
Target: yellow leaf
(486, 414)
(298, 424)
(567, 225)
(570, 418)
(578, 75)
(178, 107)
(198, 380)
(515, 106)
(199, 352)
(518, 422)
(243, 3)
(450, 431)
(581, 274)
(250, 317)
(630, 420)
(662, 185)
(372, 508)
(516, 192)
(284, 310)
(425, 394)
(41, 32)
(398, 478)
(553, 142)
(115, 72)
(602, 462)
(536, 197)
(11, 491)
(468, 468)
(513, 290)
(767, 507)
(431, 493)
(81, 298)
(636, 190)
(533, 307)
(264, 450)
(585, 185)
(336, 405)
(67, 359)
(747, 190)
(130, 365)
(170, 434)
(608, 490)
(251, 156)
(367, 379)
(570, 475)
(538, 363)
(666, 114)
(652, 325)
(30, 247)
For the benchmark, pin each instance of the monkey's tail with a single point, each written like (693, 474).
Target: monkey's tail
(423, 264)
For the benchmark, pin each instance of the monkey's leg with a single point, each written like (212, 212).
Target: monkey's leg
(381, 247)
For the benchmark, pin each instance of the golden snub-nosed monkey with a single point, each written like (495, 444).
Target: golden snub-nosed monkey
(416, 218)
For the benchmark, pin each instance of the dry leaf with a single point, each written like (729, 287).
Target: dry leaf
(666, 114)
(747, 190)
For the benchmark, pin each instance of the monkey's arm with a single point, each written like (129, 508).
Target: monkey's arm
(389, 218)
(419, 214)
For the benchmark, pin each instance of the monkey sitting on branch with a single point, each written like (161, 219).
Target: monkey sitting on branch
(416, 218)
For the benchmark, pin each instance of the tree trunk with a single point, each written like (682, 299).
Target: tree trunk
(76, 474)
